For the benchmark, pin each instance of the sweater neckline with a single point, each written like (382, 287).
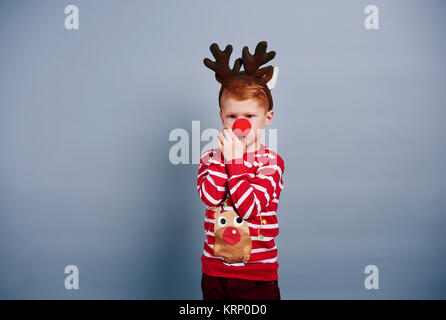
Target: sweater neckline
(261, 147)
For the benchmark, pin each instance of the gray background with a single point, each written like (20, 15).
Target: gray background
(85, 117)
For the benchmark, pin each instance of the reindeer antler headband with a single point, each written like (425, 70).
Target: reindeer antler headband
(266, 76)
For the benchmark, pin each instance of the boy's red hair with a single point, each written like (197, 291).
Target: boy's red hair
(244, 89)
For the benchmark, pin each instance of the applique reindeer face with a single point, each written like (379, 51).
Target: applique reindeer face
(232, 239)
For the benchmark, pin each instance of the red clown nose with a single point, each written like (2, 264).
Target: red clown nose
(241, 127)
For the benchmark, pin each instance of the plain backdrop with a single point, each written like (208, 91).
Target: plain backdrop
(85, 116)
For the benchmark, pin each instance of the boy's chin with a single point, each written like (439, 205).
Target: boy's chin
(251, 146)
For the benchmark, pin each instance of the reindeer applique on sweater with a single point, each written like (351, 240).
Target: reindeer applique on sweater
(232, 239)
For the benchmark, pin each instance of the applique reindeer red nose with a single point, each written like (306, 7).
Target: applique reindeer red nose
(231, 236)
(241, 127)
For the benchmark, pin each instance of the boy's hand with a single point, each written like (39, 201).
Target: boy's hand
(230, 145)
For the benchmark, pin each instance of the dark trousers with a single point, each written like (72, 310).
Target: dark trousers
(218, 288)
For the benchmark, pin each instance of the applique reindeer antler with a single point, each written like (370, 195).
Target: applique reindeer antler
(265, 76)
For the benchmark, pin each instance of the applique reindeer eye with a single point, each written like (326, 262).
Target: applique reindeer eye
(222, 221)
(238, 221)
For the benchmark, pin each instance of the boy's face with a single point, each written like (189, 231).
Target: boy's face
(252, 110)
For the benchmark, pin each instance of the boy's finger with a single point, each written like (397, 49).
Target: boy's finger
(222, 141)
(222, 137)
(220, 145)
(231, 132)
(226, 134)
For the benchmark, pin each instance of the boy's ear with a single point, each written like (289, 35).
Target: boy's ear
(269, 117)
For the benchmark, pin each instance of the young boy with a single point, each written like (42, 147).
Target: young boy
(240, 182)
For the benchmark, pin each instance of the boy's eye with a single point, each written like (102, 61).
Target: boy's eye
(250, 116)
(231, 116)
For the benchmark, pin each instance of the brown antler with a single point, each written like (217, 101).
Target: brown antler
(252, 63)
(221, 64)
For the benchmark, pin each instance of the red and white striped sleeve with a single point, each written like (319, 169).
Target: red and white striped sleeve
(252, 193)
(212, 178)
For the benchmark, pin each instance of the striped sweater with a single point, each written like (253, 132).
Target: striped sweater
(240, 221)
